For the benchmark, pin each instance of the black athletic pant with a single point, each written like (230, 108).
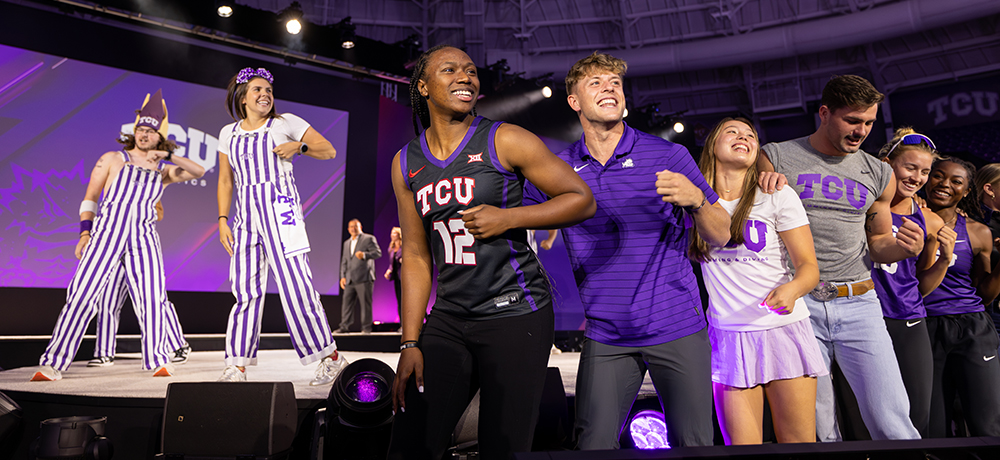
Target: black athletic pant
(916, 364)
(966, 363)
(505, 359)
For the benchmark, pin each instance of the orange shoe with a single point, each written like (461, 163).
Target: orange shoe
(46, 374)
(166, 370)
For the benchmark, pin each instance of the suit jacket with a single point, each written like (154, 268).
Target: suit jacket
(360, 271)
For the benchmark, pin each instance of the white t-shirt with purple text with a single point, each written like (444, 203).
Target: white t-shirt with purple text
(739, 278)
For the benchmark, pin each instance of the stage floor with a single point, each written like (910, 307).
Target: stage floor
(126, 379)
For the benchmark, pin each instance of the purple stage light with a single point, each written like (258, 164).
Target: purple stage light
(367, 387)
(649, 430)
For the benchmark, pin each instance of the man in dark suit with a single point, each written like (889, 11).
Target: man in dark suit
(357, 277)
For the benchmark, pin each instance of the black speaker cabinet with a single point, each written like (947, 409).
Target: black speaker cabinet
(228, 420)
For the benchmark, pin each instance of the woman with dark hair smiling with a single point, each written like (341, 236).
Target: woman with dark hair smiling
(963, 338)
(459, 188)
(255, 161)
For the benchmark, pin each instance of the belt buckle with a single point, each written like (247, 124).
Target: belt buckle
(824, 291)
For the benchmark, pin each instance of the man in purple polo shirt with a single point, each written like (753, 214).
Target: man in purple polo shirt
(638, 289)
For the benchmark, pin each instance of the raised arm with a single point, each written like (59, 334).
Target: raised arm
(318, 147)
(224, 195)
(181, 170)
(415, 277)
(570, 199)
(884, 247)
(931, 267)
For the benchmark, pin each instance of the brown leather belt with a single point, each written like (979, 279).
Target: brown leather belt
(858, 288)
(824, 291)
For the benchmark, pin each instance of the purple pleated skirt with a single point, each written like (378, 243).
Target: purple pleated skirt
(748, 359)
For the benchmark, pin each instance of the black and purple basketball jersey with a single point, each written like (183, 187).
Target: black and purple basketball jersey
(477, 279)
(956, 294)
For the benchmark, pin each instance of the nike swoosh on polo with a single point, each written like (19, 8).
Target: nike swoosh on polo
(577, 169)
(417, 172)
(989, 358)
(913, 323)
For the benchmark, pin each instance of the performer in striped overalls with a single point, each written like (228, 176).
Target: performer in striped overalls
(109, 309)
(268, 232)
(124, 234)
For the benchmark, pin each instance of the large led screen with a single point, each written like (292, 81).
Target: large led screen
(58, 116)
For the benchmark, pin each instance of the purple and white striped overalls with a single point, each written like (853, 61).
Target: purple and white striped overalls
(260, 177)
(124, 234)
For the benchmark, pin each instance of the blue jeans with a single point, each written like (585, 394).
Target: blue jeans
(850, 330)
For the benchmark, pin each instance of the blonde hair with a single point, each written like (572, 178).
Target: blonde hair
(890, 153)
(598, 61)
(393, 245)
(699, 248)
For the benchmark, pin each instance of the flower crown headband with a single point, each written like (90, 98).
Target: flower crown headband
(247, 74)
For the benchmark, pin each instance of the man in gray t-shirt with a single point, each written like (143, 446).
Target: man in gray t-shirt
(846, 193)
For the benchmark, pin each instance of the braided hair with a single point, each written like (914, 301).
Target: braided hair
(970, 202)
(417, 101)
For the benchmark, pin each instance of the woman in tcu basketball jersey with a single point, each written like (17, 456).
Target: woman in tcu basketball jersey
(902, 285)
(255, 162)
(459, 188)
(963, 339)
(762, 339)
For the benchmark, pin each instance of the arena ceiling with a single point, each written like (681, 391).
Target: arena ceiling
(700, 56)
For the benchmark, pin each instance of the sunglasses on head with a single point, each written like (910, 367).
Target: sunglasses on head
(912, 139)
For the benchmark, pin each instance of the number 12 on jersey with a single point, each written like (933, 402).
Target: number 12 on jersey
(456, 238)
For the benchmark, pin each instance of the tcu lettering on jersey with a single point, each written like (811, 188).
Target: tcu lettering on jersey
(833, 188)
(459, 189)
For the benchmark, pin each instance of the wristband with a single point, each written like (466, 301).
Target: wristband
(169, 156)
(86, 225)
(702, 205)
(407, 344)
(223, 217)
(88, 206)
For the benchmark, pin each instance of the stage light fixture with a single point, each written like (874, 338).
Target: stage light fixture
(72, 438)
(547, 92)
(347, 34)
(626, 113)
(678, 126)
(224, 8)
(292, 17)
(648, 430)
(358, 416)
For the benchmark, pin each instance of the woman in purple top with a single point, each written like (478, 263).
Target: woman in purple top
(962, 335)
(902, 285)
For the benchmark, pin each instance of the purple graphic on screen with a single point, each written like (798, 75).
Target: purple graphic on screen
(58, 116)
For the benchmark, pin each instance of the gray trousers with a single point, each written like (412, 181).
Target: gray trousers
(609, 378)
(359, 294)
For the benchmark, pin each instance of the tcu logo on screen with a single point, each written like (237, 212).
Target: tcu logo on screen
(833, 188)
(444, 191)
(192, 143)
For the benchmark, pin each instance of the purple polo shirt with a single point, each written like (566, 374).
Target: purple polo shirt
(636, 282)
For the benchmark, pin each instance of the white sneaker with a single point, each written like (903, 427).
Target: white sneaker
(166, 370)
(328, 370)
(232, 374)
(46, 374)
(102, 361)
